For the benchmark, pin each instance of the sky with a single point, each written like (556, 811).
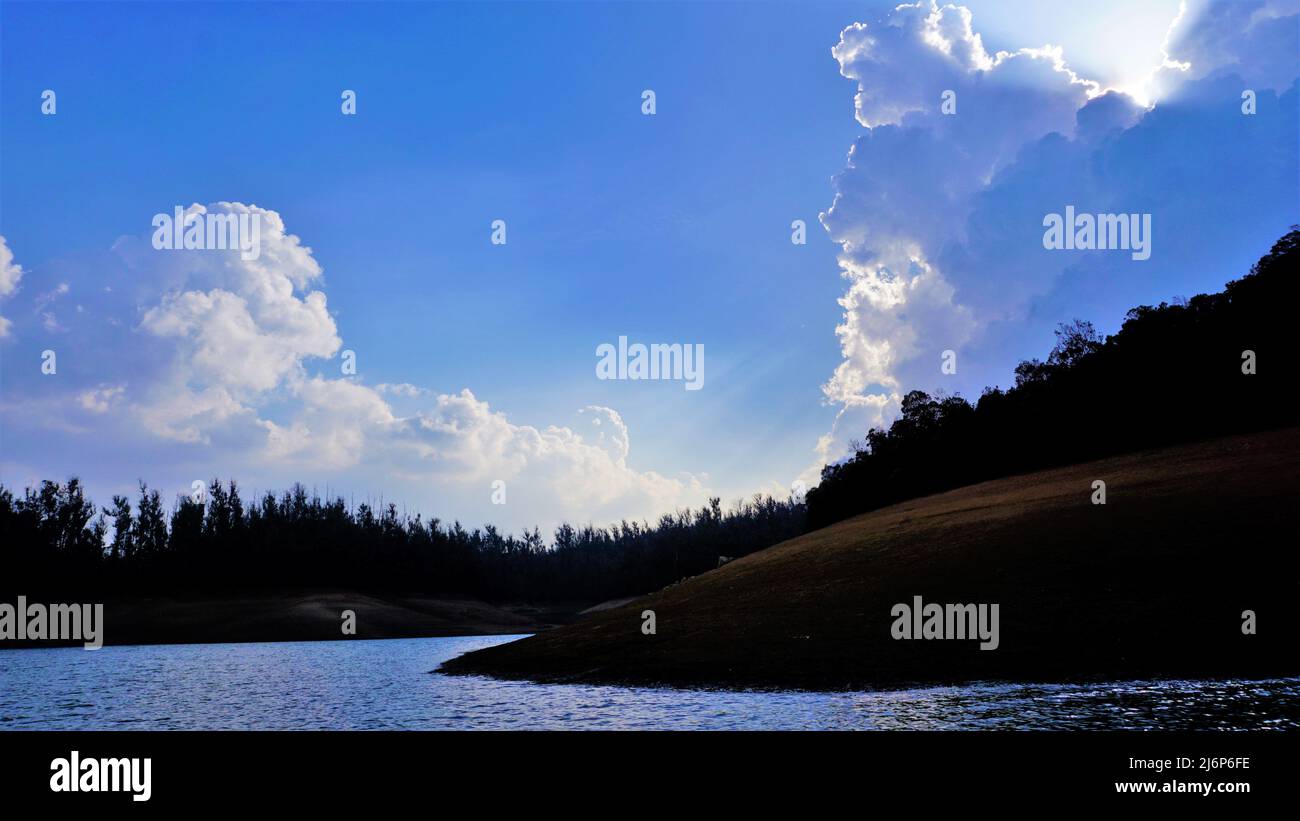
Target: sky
(475, 394)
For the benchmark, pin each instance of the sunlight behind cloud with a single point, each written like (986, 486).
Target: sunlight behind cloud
(1118, 44)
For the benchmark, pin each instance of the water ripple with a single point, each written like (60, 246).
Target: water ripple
(386, 685)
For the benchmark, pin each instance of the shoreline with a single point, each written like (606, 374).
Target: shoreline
(1029, 680)
(305, 615)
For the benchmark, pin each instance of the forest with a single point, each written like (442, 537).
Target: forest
(54, 539)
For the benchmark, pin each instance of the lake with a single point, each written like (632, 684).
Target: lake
(380, 685)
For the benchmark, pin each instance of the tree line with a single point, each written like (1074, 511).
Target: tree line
(54, 538)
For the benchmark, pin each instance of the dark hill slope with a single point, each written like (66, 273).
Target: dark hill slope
(1152, 583)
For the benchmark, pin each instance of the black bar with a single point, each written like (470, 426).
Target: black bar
(538, 770)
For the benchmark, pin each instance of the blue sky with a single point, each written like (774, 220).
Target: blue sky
(666, 228)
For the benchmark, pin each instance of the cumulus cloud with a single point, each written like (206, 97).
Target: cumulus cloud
(248, 324)
(1254, 40)
(10, 275)
(236, 363)
(938, 216)
(458, 442)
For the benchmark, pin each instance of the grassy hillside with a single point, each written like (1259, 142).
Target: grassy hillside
(1154, 582)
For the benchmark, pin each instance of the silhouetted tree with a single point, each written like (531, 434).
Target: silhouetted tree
(122, 546)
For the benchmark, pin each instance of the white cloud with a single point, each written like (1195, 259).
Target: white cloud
(401, 389)
(234, 364)
(49, 296)
(251, 323)
(1249, 38)
(99, 399)
(911, 184)
(938, 216)
(459, 443)
(11, 273)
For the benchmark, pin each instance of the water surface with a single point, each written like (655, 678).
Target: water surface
(387, 684)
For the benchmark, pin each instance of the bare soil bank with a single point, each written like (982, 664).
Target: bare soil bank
(312, 616)
(1153, 583)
